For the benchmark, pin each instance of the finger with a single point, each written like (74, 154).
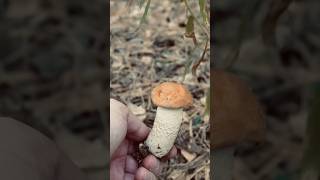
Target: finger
(152, 164)
(132, 147)
(122, 150)
(118, 124)
(128, 177)
(137, 130)
(144, 174)
(172, 153)
(131, 165)
(117, 168)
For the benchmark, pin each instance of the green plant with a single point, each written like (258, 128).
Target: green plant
(193, 20)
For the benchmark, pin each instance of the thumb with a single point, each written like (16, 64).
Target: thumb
(118, 124)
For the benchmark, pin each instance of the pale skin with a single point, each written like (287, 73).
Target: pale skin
(126, 132)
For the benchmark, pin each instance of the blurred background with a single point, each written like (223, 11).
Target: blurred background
(53, 74)
(274, 46)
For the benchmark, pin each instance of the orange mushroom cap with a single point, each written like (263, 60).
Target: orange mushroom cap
(171, 95)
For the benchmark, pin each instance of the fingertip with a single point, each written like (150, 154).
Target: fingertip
(118, 105)
(144, 174)
(152, 164)
(128, 177)
(131, 165)
(137, 130)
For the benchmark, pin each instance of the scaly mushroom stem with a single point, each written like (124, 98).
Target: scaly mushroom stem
(223, 163)
(164, 131)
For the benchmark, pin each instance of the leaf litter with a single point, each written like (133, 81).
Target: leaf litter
(156, 53)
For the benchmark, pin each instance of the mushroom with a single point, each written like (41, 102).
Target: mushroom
(170, 98)
(237, 117)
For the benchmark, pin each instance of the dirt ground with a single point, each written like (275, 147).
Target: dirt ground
(158, 53)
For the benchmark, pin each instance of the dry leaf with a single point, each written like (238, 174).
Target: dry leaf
(203, 100)
(188, 156)
(189, 79)
(206, 118)
(137, 92)
(177, 175)
(139, 111)
(146, 59)
(185, 117)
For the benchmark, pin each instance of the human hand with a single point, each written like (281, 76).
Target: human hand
(126, 132)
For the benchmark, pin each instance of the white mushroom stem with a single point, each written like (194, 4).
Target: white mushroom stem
(164, 131)
(223, 159)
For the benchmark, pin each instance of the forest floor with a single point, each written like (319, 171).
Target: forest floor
(157, 53)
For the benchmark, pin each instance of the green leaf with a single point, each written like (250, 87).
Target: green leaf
(202, 5)
(190, 27)
(144, 17)
(190, 30)
(197, 120)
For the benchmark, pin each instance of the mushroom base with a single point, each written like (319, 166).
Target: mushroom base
(164, 131)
